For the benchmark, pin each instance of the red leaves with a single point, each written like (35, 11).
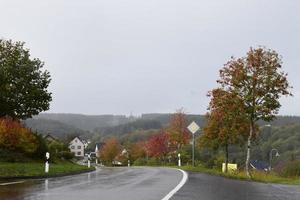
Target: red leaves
(177, 131)
(15, 137)
(227, 120)
(256, 79)
(172, 139)
(157, 145)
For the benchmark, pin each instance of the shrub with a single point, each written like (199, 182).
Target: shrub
(291, 169)
(14, 137)
(140, 162)
(67, 155)
(42, 147)
(10, 156)
(153, 162)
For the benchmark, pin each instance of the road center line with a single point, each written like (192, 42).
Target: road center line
(11, 183)
(182, 182)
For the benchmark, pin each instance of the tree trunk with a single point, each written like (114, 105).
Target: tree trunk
(249, 149)
(226, 158)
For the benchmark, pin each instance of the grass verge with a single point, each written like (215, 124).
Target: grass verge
(256, 175)
(37, 169)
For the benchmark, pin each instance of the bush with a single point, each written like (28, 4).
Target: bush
(291, 169)
(66, 155)
(41, 148)
(153, 162)
(10, 156)
(140, 162)
(16, 138)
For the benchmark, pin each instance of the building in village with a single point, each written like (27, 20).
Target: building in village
(49, 138)
(77, 146)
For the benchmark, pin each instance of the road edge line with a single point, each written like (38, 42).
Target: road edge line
(182, 182)
(11, 183)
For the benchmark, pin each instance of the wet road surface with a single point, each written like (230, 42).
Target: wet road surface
(105, 183)
(207, 187)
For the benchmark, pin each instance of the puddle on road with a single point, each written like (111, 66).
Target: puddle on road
(17, 189)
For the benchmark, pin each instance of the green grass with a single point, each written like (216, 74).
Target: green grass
(256, 175)
(38, 169)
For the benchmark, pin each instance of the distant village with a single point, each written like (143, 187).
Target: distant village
(78, 147)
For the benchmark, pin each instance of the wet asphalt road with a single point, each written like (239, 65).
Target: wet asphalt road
(206, 187)
(104, 184)
(145, 184)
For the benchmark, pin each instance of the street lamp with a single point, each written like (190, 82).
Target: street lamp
(271, 156)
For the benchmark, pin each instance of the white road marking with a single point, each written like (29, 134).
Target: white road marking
(182, 182)
(11, 183)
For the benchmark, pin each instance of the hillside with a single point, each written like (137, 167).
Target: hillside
(133, 131)
(53, 127)
(286, 139)
(85, 122)
(118, 125)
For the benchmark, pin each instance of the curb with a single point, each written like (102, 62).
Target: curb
(47, 176)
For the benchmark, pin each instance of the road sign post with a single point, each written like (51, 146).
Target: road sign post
(193, 128)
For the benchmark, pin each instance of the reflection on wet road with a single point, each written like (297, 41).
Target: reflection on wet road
(105, 183)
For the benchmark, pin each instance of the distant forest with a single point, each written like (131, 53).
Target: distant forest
(61, 125)
(284, 133)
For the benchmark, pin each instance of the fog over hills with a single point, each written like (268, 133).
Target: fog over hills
(66, 124)
(85, 122)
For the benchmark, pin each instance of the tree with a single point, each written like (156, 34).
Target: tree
(226, 122)
(177, 131)
(16, 138)
(157, 145)
(110, 150)
(137, 150)
(258, 81)
(23, 84)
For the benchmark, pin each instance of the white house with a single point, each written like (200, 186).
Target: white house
(76, 146)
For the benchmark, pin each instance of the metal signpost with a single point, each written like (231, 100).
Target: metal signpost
(47, 162)
(193, 128)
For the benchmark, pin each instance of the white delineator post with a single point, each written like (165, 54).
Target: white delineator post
(47, 162)
(97, 153)
(179, 160)
(89, 160)
(193, 128)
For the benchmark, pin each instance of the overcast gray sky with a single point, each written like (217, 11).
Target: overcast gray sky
(140, 56)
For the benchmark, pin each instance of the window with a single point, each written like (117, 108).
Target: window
(72, 147)
(78, 147)
(75, 141)
(78, 153)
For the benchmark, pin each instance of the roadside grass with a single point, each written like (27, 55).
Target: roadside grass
(241, 175)
(37, 169)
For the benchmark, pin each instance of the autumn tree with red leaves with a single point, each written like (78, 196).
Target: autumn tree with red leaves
(177, 131)
(157, 145)
(227, 122)
(15, 137)
(258, 81)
